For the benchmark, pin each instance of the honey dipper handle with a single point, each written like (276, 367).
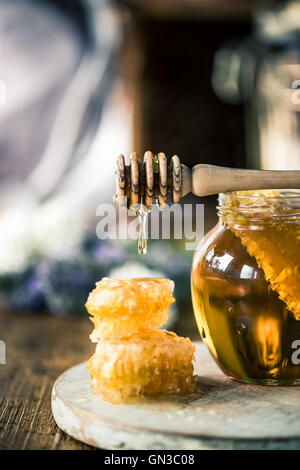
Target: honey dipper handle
(204, 180)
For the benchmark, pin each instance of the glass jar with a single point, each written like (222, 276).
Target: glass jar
(246, 287)
(262, 71)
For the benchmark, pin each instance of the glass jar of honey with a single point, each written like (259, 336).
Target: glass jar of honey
(246, 287)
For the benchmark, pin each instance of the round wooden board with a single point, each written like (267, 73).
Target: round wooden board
(225, 415)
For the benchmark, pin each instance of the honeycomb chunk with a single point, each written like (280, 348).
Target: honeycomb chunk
(119, 307)
(277, 252)
(148, 363)
(274, 243)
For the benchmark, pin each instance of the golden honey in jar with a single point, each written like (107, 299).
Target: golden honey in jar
(246, 287)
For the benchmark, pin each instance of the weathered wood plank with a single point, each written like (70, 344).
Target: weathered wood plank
(38, 349)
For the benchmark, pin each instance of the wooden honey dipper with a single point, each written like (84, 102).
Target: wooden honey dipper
(153, 179)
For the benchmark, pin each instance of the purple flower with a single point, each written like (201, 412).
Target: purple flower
(106, 253)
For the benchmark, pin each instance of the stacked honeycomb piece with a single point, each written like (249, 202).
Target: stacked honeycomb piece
(133, 358)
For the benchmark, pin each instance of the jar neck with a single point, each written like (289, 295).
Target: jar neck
(259, 208)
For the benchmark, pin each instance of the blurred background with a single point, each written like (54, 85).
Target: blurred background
(214, 81)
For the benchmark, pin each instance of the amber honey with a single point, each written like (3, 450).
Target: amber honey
(245, 291)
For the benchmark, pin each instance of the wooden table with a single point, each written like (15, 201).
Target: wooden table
(38, 349)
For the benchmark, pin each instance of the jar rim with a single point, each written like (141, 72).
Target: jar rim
(284, 194)
(280, 204)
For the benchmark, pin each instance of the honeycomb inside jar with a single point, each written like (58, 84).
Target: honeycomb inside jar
(246, 292)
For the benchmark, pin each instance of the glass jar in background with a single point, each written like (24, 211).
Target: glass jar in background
(263, 72)
(245, 287)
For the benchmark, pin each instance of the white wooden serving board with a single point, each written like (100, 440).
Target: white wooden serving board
(225, 414)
